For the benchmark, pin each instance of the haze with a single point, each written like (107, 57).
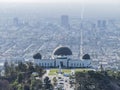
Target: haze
(55, 8)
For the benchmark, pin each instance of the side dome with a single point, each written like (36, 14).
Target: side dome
(62, 51)
(37, 56)
(86, 56)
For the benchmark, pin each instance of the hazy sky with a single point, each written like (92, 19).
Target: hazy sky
(55, 8)
(58, 1)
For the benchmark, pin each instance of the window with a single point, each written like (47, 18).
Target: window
(74, 64)
(80, 64)
(50, 64)
(71, 64)
(77, 64)
(83, 64)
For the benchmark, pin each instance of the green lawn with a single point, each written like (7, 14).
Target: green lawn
(82, 70)
(67, 71)
(54, 71)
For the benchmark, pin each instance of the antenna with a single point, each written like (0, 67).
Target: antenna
(81, 29)
(81, 42)
(82, 10)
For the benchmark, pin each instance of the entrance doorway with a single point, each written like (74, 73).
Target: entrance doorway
(61, 63)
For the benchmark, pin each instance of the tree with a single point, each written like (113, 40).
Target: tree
(20, 78)
(55, 81)
(30, 67)
(39, 70)
(26, 87)
(96, 80)
(36, 84)
(4, 85)
(19, 87)
(6, 68)
(47, 83)
(21, 67)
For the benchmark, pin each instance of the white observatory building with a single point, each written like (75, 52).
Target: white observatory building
(62, 56)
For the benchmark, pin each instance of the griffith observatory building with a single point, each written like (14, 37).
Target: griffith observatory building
(62, 56)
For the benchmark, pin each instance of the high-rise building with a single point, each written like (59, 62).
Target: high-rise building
(104, 23)
(101, 24)
(65, 21)
(16, 21)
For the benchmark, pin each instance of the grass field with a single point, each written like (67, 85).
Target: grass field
(67, 71)
(82, 70)
(54, 71)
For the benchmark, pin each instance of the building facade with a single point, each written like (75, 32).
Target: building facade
(62, 56)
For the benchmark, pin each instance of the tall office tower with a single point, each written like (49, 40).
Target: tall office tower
(101, 24)
(16, 21)
(104, 23)
(65, 21)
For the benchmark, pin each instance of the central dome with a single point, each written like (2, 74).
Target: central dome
(86, 56)
(62, 51)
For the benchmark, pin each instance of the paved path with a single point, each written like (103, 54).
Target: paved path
(65, 79)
